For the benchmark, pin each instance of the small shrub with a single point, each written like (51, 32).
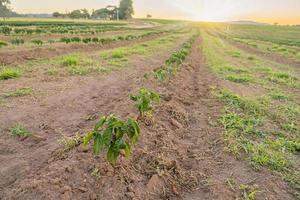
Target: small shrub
(144, 101)
(9, 73)
(65, 40)
(76, 39)
(37, 42)
(17, 41)
(19, 131)
(115, 135)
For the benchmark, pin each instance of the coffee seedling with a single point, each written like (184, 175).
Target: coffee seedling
(115, 135)
(144, 100)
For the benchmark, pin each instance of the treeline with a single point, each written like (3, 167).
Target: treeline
(5, 11)
(123, 11)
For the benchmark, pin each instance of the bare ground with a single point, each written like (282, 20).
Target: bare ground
(181, 153)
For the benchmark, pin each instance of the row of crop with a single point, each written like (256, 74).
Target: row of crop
(171, 64)
(6, 30)
(85, 40)
(116, 135)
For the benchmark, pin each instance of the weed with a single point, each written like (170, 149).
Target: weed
(118, 54)
(18, 93)
(144, 100)
(78, 70)
(20, 131)
(276, 95)
(70, 60)
(115, 135)
(52, 71)
(70, 143)
(9, 73)
(238, 78)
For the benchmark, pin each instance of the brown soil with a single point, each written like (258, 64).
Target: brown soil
(180, 154)
(14, 57)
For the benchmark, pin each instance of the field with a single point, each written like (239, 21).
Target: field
(194, 110)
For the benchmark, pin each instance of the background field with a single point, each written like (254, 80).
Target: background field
(227, 125)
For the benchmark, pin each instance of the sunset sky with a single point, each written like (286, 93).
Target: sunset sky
(282, 11)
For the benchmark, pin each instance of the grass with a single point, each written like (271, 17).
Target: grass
(70, 60)
(52, 71)
(9, 73)
(18, 93)
(264, 129)
(238, 78)
(19, 131)
(277, 95)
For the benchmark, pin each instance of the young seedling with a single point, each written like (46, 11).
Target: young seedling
(115, 135)
(144, 100)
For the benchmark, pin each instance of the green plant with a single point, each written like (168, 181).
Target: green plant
(115, 135)
(37, 42)
(3, 44)
(17, 41)
(9, 73)
(70, 60)
(6, 30)
(144, 100)
(20, 131)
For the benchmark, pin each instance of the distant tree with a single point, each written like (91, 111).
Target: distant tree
(85, 14)
(4, 9)
(56, 14)
(149, 16)
(110, 12)
(276, 24)
(75, 14)
(126, 9)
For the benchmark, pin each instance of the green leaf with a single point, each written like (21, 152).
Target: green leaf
(114, 151)
(100, 123)
(127, 150)
(133, 130)
(98, 144)
(107, 136)
(88, 138)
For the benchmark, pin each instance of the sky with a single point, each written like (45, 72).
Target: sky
(270, 11)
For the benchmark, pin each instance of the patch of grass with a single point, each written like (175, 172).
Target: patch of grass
(18, 93)
(9, 73)
(118, 54)
(70, 60)
(52, 71)
(20, 131)
(283, 78)
(238, 78)
(235, 54)
(263, 155)
(276, 95)
(78, 70)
